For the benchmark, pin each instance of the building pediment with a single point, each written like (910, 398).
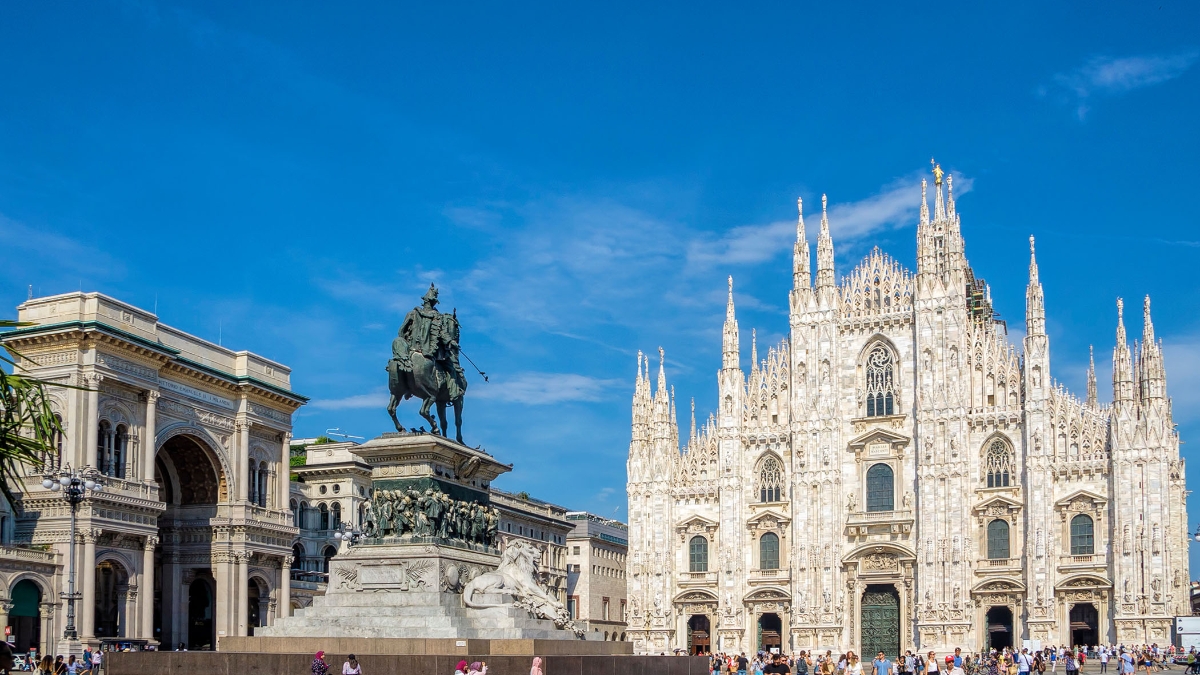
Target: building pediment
(695, 596)
(1084, 581)
(997, 505)
(1082, 500)
(768, 520)
(999, 586)
(696, 525)
(879, 441)
(767, 595)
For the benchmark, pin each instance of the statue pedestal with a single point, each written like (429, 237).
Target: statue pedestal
(427, 542)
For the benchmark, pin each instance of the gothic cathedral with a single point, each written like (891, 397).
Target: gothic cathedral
(897, 474)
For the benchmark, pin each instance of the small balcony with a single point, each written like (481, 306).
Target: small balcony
(879, 522)
(697, 578)
(997, 565)
(770, 576)
(1080, 562)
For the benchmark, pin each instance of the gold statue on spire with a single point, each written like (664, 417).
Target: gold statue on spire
(937, 172)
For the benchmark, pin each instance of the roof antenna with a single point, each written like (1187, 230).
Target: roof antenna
(30, 291)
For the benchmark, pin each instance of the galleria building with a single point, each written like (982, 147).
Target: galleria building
(897, 474)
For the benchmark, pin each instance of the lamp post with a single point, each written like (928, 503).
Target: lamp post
(74, 484)
(1196, 537)
(351, 537)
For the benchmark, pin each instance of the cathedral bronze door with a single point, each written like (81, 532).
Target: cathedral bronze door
(880, 621)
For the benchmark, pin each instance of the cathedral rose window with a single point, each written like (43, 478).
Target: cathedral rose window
(881, 390)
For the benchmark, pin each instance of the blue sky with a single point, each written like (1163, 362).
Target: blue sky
(580, 181)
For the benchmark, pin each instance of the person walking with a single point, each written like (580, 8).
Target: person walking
(536, 668)
(881, 665)
(351, 666)
(853, 665)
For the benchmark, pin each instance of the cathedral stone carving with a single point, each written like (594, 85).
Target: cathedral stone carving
(802, 479)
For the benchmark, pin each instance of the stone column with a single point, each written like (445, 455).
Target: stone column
(224, 594)
(285, 586)
(149, 446)
(92, 423)
(147, 586)
(48, 632)
(85, 611)
(242, 459)
(284, 476)
(243, 594)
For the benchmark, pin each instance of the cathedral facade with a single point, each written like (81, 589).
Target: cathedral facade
(899, 474)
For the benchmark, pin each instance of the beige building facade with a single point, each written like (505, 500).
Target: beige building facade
(597, 552)
(899, 472)
(190, 538)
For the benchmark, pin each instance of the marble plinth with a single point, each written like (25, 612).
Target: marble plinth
(410, 585)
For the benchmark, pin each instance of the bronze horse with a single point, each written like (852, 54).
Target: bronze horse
(412, 374)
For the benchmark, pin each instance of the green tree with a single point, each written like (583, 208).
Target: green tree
(28, 426)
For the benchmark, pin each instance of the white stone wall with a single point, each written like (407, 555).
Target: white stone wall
(960, 387)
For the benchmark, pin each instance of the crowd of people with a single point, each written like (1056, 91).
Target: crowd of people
(1132, 660)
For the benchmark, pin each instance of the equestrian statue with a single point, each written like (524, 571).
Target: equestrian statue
(424, 365)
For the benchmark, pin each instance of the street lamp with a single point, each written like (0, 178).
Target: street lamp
(1196, 537)
(74, 484)
(351, 537)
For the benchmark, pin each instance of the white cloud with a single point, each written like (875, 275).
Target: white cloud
(894, 206)
(546, 388)
(1107, 76)
(376, 399)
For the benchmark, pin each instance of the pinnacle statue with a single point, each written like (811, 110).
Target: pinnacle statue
(424, 365)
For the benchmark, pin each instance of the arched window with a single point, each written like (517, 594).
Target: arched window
(881, 488)
(252, 483)
(262, 484)
(295, 512)
(298, 562)
(997, 540)
(53, 461)
(1083, 541)
(768, 551)
(881, 382)
(770, 481)
(998, 464)
(104, 442)
(304, 523)
(119, 451)
(328, 553)
(324, 518)
(335, 515)
(698, 554)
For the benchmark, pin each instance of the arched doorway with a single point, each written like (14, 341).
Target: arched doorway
(770, 631)
(880, 620)
(1085, 624)
(327, 554)
(1000, 628)
(190, 483)
(200, 615)
(112, 592)
(25, 617)
(699, 631)
(256, 597)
